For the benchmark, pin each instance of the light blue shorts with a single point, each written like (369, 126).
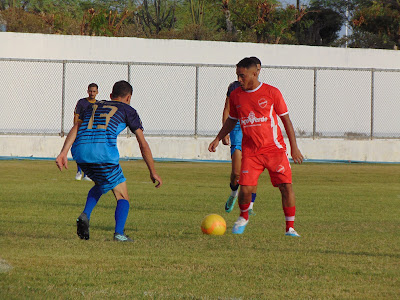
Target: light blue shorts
(236, 136)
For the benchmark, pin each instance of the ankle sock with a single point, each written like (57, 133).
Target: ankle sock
(289, 216)
(244, 210)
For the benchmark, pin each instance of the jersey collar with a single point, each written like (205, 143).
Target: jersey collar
(256, 89)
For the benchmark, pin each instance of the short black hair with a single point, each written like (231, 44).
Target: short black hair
(256, 59)
(93, 85)
(121, 89)
(247, 63)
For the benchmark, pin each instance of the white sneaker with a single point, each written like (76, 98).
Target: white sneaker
(240, 225)
(78, 176)
(86, 178)
(292, 232)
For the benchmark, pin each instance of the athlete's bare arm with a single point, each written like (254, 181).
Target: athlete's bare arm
(225, 114)
(228, 126)
(62, 160)
(147, 157)
(294, 149)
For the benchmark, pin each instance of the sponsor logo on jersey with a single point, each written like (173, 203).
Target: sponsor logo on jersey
(262, 102)
(280, 169)
(253, 120)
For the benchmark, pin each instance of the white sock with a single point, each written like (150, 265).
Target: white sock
(234, 193)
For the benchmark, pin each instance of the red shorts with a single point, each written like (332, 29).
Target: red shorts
(277, 164)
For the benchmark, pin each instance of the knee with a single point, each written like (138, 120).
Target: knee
(236, 175)
(286, 189)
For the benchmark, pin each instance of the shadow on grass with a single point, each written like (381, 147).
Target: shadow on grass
(359, 253)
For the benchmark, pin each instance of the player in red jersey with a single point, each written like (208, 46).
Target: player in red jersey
(235, 139)
(257, 106)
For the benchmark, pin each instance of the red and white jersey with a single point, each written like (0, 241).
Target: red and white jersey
(257, 111)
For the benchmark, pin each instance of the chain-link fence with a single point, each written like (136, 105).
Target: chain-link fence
(38, 97)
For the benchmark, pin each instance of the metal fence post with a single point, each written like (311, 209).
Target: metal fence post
(62, 133)
(128, 131)
(372, 102)
(315, 105)
(196, 105)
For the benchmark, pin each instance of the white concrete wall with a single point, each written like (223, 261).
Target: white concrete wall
(41, 46)
(196, 148)
(38, 46)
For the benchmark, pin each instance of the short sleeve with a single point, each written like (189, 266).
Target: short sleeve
(133, 120)
(79, 109)
(280, 106)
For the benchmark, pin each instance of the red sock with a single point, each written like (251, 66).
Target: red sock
(244, 210)
(289, 216)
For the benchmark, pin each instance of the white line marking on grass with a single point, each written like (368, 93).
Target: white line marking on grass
(4, 266)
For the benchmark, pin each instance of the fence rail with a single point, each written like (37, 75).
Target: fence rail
(38, 97)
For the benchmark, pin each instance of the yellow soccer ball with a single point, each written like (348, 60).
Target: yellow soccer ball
(213, 224)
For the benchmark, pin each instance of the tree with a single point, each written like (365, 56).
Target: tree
(265, 18)
(197, 11)
(320, 26)
(160, 15)
(102, 22)
(378, 23)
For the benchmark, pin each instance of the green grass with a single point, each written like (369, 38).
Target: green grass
(347, 215)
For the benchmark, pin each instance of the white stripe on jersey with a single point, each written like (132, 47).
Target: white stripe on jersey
(274, 128)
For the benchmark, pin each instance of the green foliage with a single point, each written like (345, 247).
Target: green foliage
(157, 15)
(103, 22)
(375, 24)
(20, 20)
(197, 11)
(320, 26)
(349, 246)
(381, 20)
(267, 19)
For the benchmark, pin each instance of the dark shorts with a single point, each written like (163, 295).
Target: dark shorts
(106, 176)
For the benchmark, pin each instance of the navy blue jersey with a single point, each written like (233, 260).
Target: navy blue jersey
(233, 86)
(82, 105)
(96, 141)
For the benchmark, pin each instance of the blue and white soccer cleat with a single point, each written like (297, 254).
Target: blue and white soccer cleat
(251, 212)
(239, 226)
(230, 203)
(122, 238)
(86, 178)
(78, 176)
(292, 232)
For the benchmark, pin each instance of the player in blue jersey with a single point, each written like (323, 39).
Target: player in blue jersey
(80, 107)
(94, 147)
(235, 139)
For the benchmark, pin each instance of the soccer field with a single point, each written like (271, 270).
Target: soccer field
(347, 215)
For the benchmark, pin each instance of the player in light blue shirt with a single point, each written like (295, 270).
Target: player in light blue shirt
(94, 147)
(81, 106)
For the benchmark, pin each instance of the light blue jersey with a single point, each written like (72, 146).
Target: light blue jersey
(236, 134)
